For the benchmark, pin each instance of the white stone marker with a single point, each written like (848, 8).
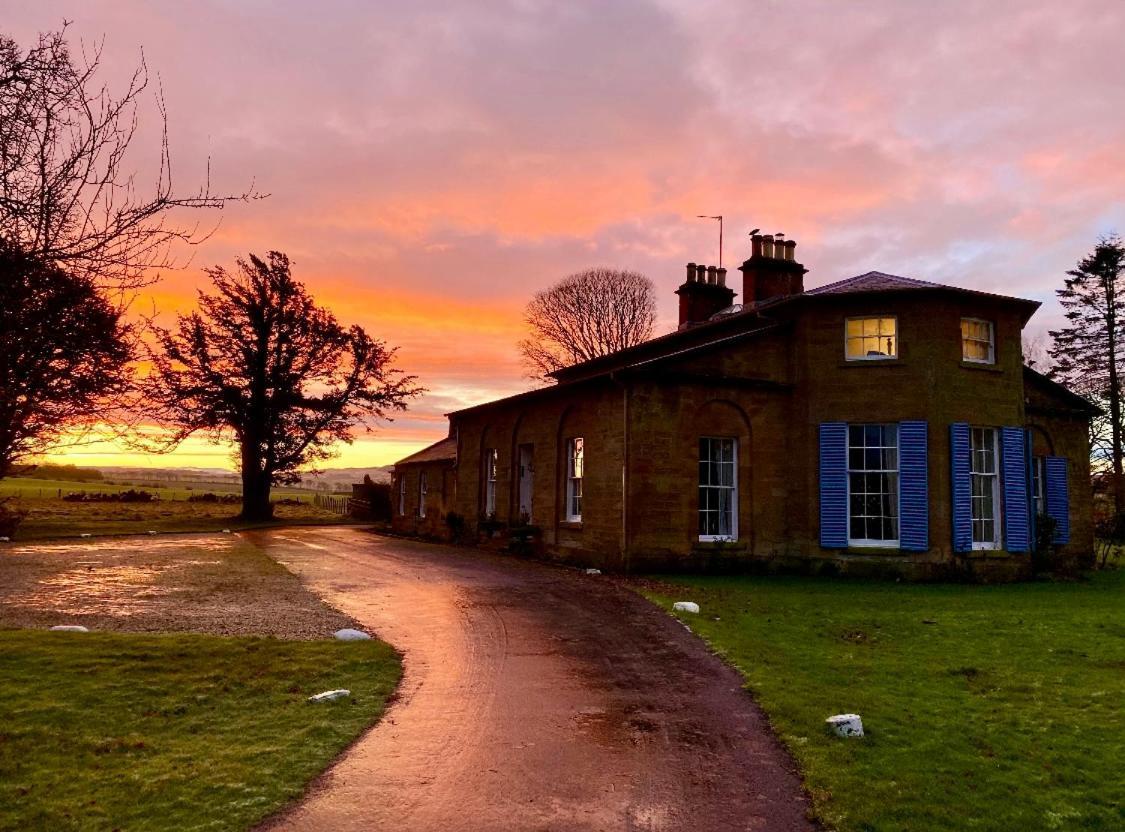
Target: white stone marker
(348, 634)
(226, 531)
(845, 725)
(592, 571)
(69, 628)
(330, 695)
(85, 534)
(686, 606)
(5, 539)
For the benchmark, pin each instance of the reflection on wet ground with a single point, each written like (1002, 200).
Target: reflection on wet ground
(215, 583)
(534, 698)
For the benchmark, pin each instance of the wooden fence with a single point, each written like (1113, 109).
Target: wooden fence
(337, 503)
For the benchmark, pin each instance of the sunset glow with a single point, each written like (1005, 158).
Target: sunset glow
(431, 165)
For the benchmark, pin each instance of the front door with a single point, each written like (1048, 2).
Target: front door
(527, 473)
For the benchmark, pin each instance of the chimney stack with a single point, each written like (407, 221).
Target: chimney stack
(772, 270)
(703, 293)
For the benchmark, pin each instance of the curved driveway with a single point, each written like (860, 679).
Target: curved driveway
(534, 698)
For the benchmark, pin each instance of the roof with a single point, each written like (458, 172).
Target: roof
(443, 451)
(875, 282)
(883, 282)
(751, 319)
(1075, 401)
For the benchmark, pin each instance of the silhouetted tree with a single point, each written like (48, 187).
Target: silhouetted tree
(586, 315)
(63, 354)
(1088, 352)
(261, 363)
(66, 194)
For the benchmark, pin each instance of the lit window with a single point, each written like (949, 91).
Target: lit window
(977, 342)
(423, 489)
(402, 494)
(489, 482)
(871, 339)
(575, 462)
(718, 488)
(984, 470)
(873, 485)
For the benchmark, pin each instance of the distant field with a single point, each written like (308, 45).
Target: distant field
(30, 488)
(59, 518)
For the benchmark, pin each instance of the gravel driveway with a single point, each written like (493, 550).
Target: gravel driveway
(535, 698)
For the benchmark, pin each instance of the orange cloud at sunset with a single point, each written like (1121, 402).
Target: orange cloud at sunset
(431, 165)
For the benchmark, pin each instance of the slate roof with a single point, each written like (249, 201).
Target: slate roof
(875, 282)
(442, 451)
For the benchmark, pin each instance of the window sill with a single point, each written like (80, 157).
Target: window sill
(884, 551)
(980, 365)
(872, 362)
(572, 525)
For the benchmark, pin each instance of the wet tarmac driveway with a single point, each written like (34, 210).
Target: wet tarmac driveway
(535, 698)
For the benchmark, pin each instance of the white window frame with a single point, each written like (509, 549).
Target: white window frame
(491, 459)
(876, 543)
(880, 334)
(575, 470)
(997, 506)
(1039, 485)
(733, 489)
(423, 491)
(402, 494)
(991, 359)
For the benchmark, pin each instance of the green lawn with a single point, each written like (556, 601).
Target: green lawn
(985, 707)
(138, 732)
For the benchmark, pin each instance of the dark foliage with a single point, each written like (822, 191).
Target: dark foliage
(209, 497)
(1089, 351)
(262, 364)
(128, 496)
(63, 354)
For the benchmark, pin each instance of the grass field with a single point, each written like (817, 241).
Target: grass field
(184, 732)
(985, 707)
(59, 518)
(31, 488)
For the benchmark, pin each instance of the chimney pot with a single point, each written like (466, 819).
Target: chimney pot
(756, 245)
(790, 250)
(691, 272)
(767, 245)
(701, 273)
(711, 277)
(721, 273)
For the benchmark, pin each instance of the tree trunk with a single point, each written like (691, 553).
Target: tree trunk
(256, 506)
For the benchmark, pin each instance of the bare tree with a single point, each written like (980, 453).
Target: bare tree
(67, 196)
(1036, 352)
(262, 364)
(586, 315)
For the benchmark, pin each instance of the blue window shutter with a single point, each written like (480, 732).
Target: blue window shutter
(914, 487)
(1058, 497)
(1030, 469)
(1013, 464)
(962, 488)
(834, 485)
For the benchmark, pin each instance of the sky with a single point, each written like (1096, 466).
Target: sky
(431, 165)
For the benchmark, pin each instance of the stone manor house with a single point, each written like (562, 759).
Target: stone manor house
(879, 422)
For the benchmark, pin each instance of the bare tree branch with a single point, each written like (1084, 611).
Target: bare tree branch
(586, 315)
